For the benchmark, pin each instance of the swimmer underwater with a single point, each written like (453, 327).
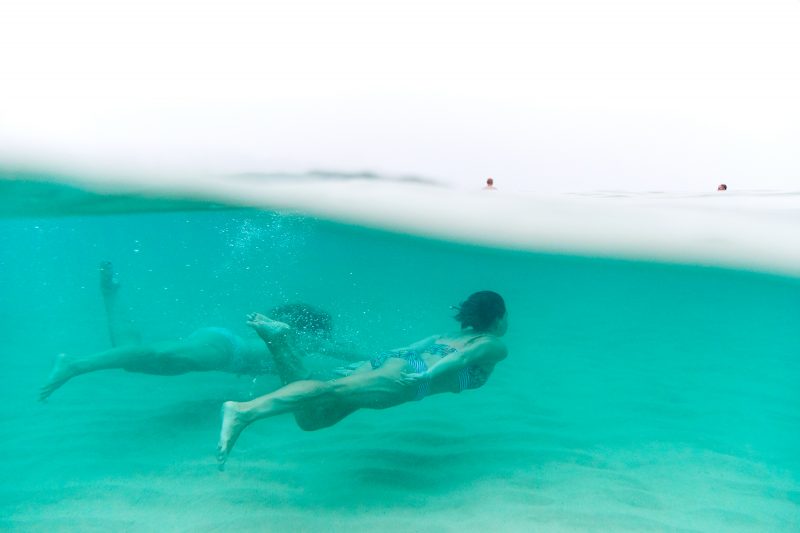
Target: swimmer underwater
(438, 364)
(207, 349)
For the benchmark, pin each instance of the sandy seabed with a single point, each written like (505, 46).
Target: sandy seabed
(114, 451)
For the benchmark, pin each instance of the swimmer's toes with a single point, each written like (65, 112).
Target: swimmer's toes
(222, 456)
(60, 374)
(49, 388)
(44, 393)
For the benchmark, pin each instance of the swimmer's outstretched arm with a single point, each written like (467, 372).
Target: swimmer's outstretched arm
(360, 359)
(346, 351)
(485, 353)
(420, 344)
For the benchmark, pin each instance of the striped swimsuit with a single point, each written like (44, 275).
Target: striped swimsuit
(470, 377)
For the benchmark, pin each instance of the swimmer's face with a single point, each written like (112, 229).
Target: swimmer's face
(501, 325)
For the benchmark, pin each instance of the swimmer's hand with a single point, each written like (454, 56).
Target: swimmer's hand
(347, 369)
(412, 378)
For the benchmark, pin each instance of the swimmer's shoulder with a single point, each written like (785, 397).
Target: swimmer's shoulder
(490, 345)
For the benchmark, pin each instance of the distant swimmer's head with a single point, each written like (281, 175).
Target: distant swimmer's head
(305, 319)
(722, 187)
(490, 182)
(484, 311)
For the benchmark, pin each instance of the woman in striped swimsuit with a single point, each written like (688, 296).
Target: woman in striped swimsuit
(438, 364)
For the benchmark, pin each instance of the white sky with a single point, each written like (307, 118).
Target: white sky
(545, 95)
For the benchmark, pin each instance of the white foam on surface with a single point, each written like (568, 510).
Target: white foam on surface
(753, 230)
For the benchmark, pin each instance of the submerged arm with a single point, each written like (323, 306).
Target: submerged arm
(420, 344)
(346, 351)
(485, 353)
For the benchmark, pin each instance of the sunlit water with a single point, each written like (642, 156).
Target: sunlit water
(636, 396)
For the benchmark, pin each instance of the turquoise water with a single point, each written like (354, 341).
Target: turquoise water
(636, 396)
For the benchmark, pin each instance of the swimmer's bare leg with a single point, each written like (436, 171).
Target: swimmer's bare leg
(166, 358)
(278, 336)
(316, 404)
(120, 326)
(67, 367)
(236, 416)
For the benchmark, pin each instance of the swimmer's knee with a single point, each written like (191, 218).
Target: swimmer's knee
(311, 423)
(307, 425)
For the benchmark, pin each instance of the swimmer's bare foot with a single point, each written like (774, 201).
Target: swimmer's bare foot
(109, 283)
(277, 337)
(267, 328)
(232, 426)
(61, 373)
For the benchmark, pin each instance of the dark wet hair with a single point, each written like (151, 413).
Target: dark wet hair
(304, 318)
(480, 310)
